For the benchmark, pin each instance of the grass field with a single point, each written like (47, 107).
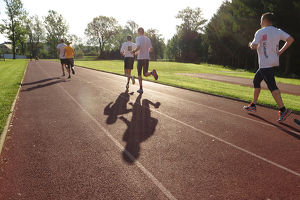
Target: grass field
(11, 74)
(167, 75)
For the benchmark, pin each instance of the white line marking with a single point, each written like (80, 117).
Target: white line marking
(206, 106)
(121, 148)
(215, 137)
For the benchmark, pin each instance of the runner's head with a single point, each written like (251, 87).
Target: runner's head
(267, 19)
(69, 43)
(141, 31)
(62, 41)
(129, 38)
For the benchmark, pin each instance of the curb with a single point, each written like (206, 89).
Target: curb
(10, 116)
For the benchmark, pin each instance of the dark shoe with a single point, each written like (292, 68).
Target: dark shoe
(284, 115)
(73, 72)
(155, 74)
(250, 108)
(140, 91)
(69, 76)
(63, 74)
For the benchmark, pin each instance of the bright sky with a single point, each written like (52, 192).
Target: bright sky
(158, 14)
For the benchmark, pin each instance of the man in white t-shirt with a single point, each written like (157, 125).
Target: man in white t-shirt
(266, 42)
(61, 50)
(144, 46)
(126, 51)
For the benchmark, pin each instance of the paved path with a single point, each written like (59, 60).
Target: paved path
(284, 88)
(87, 138)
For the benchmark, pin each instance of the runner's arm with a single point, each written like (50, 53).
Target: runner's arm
(287, 44)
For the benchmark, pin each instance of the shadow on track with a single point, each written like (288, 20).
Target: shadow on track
(43, 85)
(140, 128)
(297, 136)
(119, 107)
(40, 81)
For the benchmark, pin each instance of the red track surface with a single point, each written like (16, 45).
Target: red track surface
(86, 138)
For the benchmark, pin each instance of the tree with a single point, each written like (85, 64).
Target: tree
(13, 26)
(102, 30)
(192, 19)
(36, 34)
(186, 45)
(157, 43)
(56, 29)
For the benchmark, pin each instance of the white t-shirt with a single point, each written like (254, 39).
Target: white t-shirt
(145, 45)
(61, 47)
(268, 39)
(127, 47)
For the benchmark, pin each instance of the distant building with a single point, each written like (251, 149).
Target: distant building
(6, 48)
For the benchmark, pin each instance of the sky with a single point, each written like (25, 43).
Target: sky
(157, 14)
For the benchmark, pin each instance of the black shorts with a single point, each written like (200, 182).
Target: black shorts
(268, 75)
(142, 65)
(63, 61)
(128, 62)
(70, 62)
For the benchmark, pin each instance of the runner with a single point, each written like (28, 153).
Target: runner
(69, 54)
(144, 46)
(266, 42)
(60, 48)
(126, 51)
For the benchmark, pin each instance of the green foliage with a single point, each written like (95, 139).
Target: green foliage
(56, 29)
(157, 43)
(188, 45)
(13, 27)
(102, 31)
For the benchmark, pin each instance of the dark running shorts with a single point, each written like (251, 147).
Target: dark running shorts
(268, 75)
(63, 61)
(70, 62)
(142, 65)
(128, 62)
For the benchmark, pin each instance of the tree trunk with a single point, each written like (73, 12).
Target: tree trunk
(13, 39)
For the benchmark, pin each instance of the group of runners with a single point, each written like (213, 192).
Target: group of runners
(266, 42)
(66, 55)
(141, 49)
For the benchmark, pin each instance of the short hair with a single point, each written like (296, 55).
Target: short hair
(62, 40)
(129, 37)
(269, 16)
(141, 30)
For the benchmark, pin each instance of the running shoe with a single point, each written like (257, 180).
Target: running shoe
(63, 74)
(155, 74)
(140, 91)
(73, 72)
(127, 86)
(297, 122)
(250, 108)
(69, 76)
(284, 115)
(133, 80)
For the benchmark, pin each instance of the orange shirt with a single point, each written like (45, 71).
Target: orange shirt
(69, 52)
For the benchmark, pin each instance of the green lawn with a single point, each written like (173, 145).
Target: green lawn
(11, 74)
(167, 75)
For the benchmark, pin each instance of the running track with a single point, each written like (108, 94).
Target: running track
(86, 138)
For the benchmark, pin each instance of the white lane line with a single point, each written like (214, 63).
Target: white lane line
(206, 106)
(212, 136)
(121, 148)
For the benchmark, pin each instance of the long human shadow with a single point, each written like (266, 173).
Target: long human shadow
(119, 107)
(297, 136)
(39, 81)
(43, 85)
(141, 126)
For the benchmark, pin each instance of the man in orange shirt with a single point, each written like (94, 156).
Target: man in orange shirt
(69, 54)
